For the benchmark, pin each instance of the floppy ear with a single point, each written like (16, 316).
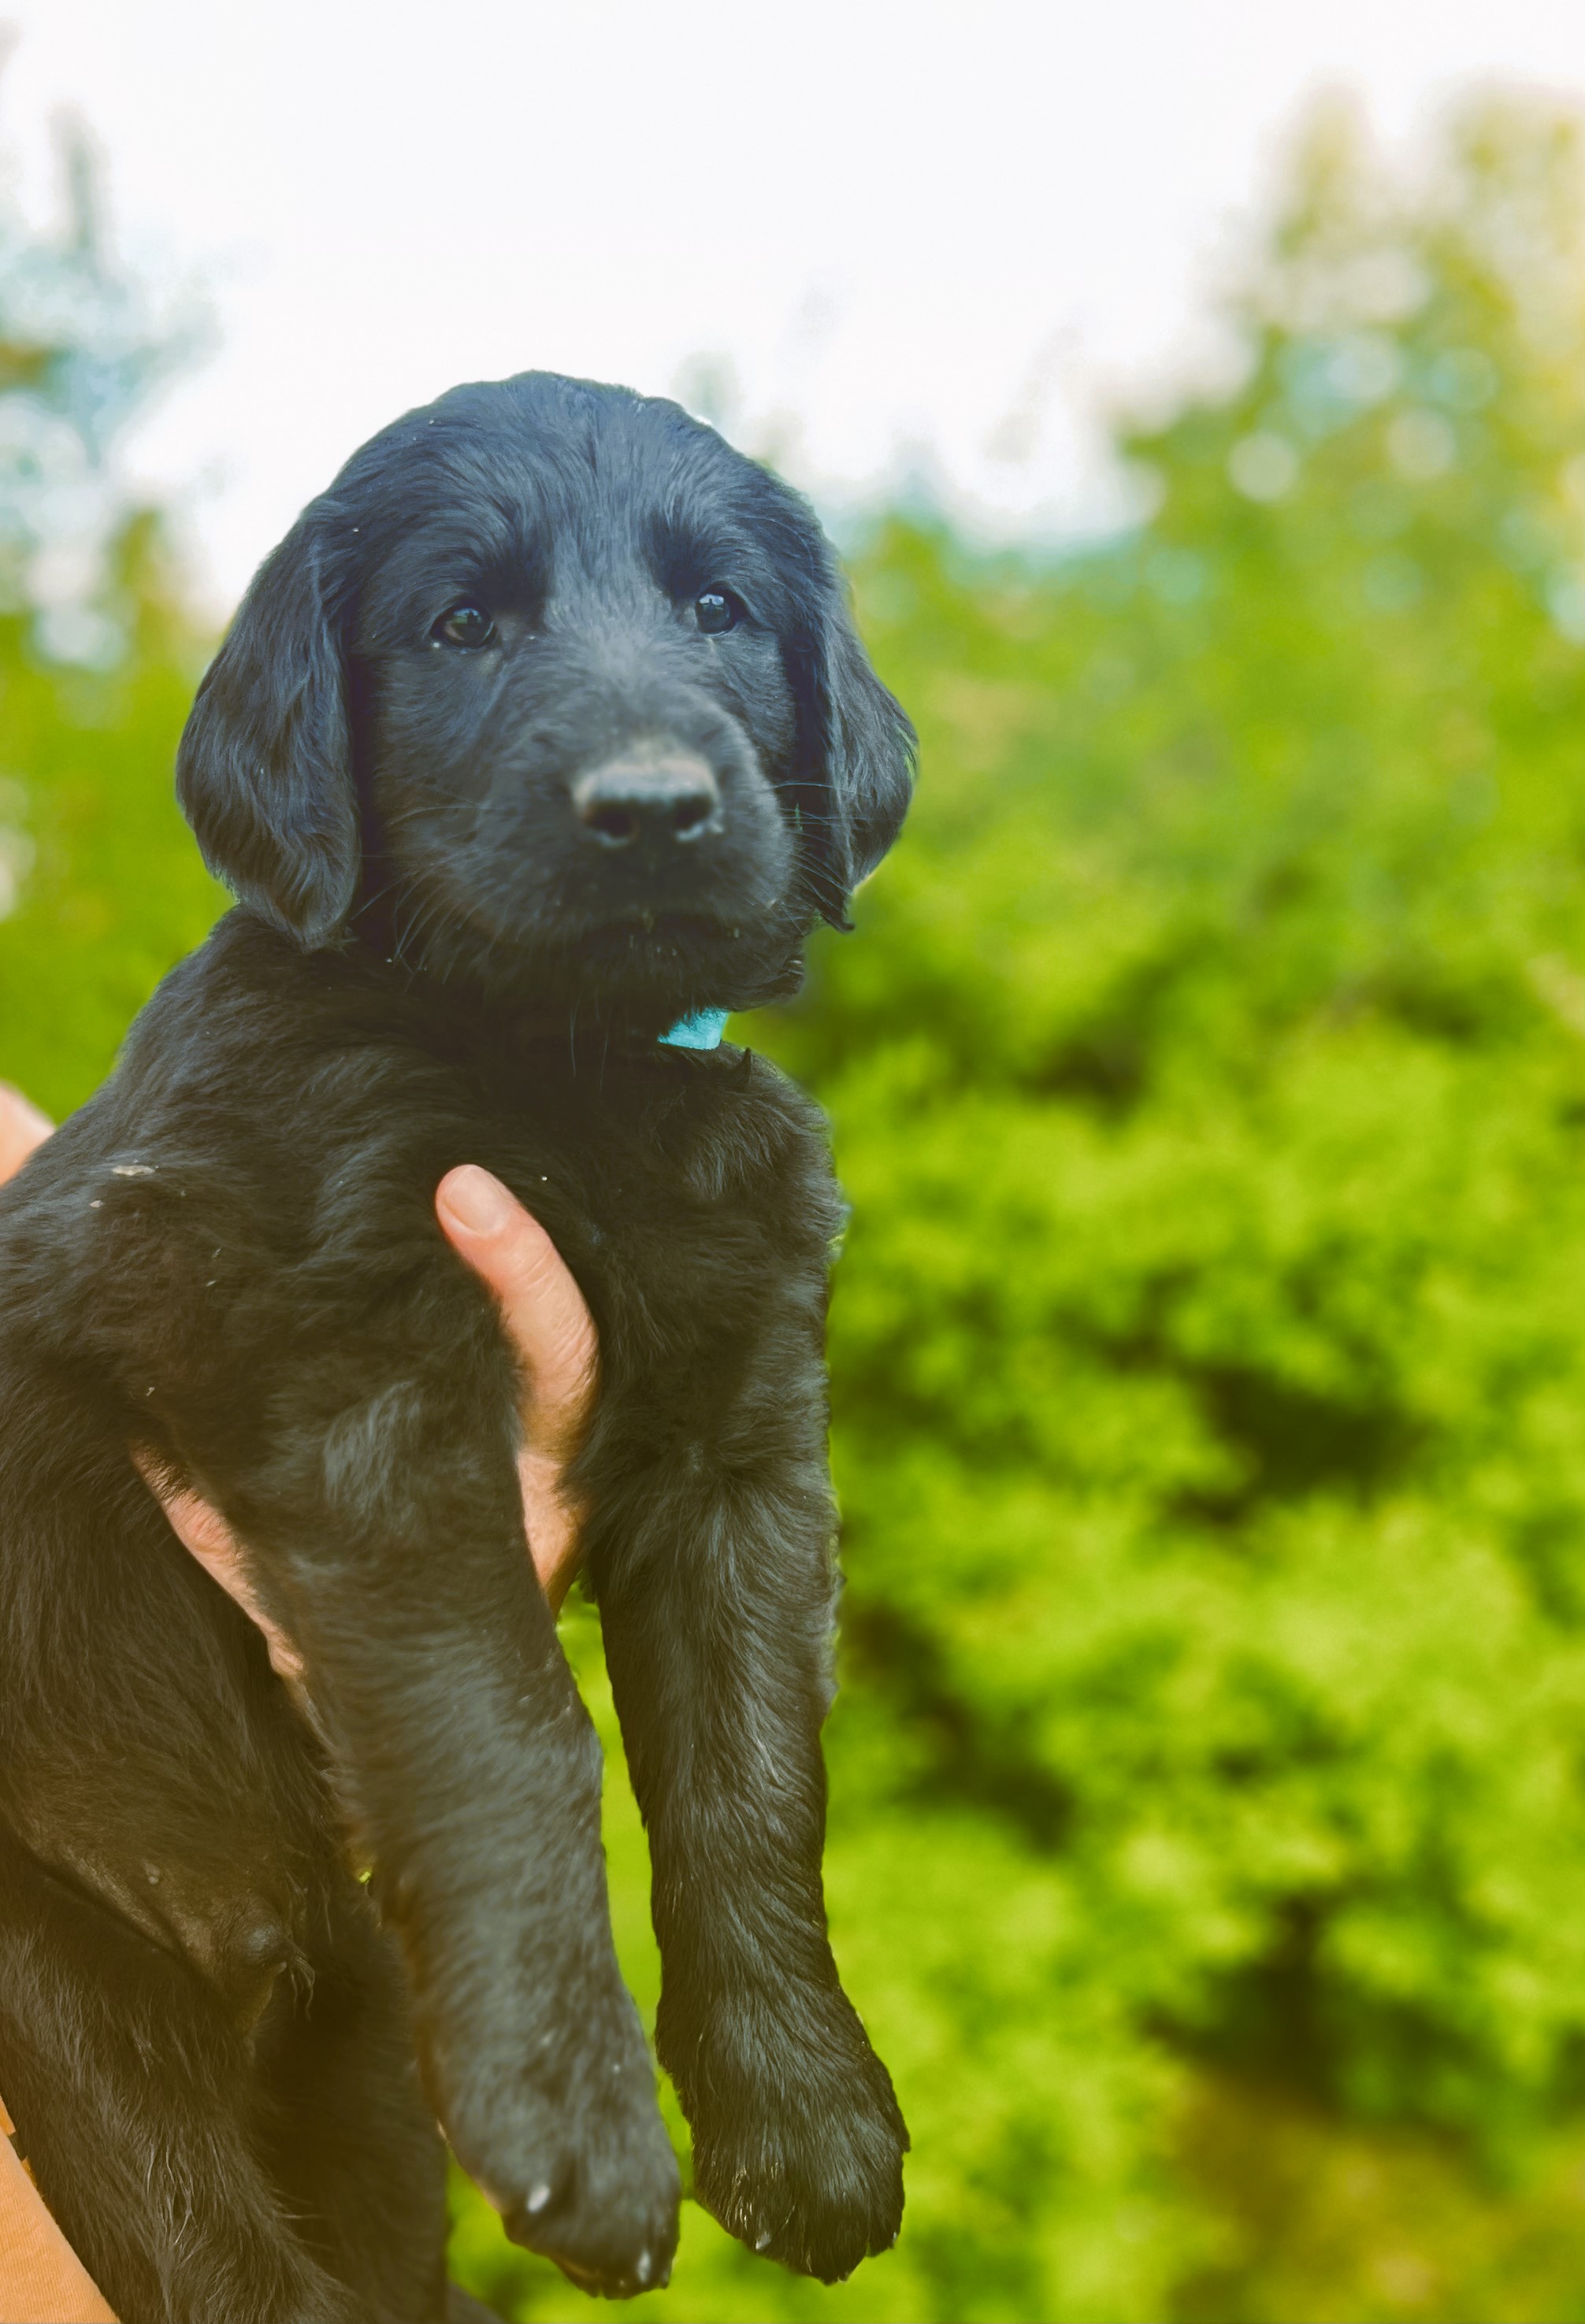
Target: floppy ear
(264, 772)
(864, 749)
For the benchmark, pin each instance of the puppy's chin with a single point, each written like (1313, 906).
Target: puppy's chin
(642, 969)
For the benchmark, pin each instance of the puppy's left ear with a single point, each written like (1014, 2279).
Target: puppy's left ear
(264, 770)
(863, 747)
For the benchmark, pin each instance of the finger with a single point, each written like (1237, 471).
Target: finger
(204, 1534)
(22, 1128)
(541, 1304)
(554, 1524)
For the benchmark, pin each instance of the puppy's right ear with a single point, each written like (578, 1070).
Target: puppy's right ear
(264, 772)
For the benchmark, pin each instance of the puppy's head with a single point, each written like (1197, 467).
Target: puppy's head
(555, 691)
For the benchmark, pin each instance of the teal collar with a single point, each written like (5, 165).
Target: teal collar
(702, 1030)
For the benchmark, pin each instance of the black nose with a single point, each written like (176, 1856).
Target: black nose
(665, 800)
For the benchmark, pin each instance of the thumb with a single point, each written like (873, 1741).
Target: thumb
(22, 1128)
(541, 1306)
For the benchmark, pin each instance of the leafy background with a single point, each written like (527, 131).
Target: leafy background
(1208, 1074)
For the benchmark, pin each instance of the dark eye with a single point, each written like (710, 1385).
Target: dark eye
(715, 611)
(467, 626)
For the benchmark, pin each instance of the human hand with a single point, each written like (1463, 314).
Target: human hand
(22, 1128)
(554, 1334)
(545, 1319)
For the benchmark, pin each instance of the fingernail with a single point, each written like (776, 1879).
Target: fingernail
(476, 1201)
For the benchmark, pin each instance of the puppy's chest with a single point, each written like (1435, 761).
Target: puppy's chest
(682, 1197)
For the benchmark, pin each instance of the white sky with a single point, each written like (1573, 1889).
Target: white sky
(890, 219)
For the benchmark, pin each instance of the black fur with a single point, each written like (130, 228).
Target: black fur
(229, 1258)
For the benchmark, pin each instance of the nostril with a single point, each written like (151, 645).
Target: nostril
(690, 814)
(609, 822)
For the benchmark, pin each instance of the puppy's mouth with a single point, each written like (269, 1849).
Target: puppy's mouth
(669, 924)
(643, 957)
(654, 949)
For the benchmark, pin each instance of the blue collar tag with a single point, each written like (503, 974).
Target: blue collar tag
(702, 1030)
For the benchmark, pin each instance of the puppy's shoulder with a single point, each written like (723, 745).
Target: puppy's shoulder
(243, 1083)
(743, 1132)
(250, 995)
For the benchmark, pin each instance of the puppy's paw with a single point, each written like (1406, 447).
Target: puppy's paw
(798, 2149)
(576, 2159)
(606, 2208)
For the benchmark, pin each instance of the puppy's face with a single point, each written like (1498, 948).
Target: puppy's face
(555, 693)
(576, 728)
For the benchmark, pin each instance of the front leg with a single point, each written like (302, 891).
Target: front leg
(383, 1528)
(714, 1576)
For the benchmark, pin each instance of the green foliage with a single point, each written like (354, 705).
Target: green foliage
(96, 665)
(112, 888)
(1209, 1087)
(1208, 1079)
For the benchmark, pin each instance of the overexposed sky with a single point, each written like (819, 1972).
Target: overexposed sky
(896, 224)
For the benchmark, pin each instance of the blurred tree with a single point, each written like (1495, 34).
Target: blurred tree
(100, 887)
(1209, 1363)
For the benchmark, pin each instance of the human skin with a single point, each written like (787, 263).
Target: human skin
(545, 1319)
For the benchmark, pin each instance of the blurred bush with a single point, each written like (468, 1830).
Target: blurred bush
(1208, 1353)
(101, 886)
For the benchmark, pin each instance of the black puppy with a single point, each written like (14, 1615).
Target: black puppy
(544, 729)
